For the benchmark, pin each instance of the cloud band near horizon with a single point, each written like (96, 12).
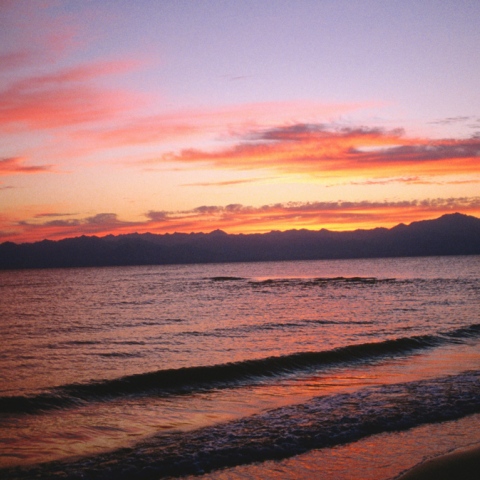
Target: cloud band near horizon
(237, 218)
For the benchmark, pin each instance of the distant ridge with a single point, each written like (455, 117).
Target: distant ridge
(452, 234)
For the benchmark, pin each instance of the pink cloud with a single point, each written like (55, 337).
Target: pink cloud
(15, 165)
(225, 123)
(67, 97)
(140, 132)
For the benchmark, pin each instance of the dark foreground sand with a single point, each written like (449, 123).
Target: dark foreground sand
(460, 465)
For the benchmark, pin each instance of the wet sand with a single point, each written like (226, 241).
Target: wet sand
(459, 465)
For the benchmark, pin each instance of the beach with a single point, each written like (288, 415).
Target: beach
(463, 464)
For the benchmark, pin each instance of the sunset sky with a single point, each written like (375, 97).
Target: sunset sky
(243, 115)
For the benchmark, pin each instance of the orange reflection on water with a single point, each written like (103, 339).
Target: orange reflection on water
(113, 424)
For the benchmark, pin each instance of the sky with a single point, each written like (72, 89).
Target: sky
(246, 116)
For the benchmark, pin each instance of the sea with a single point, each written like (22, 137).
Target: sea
(331, 369)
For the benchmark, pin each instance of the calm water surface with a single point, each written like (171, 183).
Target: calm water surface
(220, 369)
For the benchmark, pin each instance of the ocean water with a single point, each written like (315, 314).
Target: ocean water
(344, 369)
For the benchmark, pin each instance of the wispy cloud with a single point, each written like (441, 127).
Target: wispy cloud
(416, 180)
(238, 218)
(387, 181)
(227, 183)
(53, 215)
(18, 58)
(223, 123)
(16, 165)
(453, 120)
(67, 97)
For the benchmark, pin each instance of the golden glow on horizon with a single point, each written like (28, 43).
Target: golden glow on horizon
(236, 219)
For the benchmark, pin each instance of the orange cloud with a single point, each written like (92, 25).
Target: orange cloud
(15, 165)
(322, 150)
(236, 218)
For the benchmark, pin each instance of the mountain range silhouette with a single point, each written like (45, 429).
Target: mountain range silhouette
(451, 234)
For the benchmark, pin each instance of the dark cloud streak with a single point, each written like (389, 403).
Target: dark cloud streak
(16, 165)
(318, 149)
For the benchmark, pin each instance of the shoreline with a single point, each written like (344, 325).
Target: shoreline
(462, 464)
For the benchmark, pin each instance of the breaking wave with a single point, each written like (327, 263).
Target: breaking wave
(201, 378)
